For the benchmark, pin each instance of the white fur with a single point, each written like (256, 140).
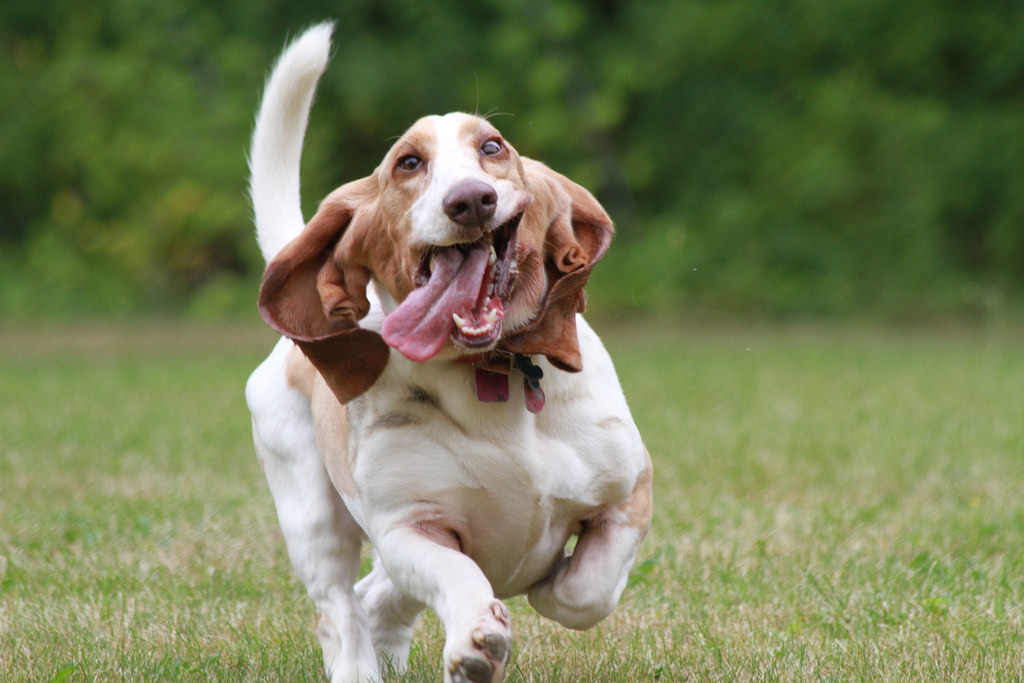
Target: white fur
(514, 486)
(277, 139)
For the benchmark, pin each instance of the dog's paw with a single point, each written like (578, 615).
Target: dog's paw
(345, 662)
(483, 659)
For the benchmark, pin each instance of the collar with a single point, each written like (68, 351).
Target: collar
(493, 370)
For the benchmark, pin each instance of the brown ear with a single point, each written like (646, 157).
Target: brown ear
(312, 296)
(577, 236)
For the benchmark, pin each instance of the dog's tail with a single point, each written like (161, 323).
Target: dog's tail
(277, 138)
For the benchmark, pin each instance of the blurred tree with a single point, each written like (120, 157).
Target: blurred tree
(789, 157)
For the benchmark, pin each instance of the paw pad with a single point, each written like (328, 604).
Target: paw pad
(488, 651)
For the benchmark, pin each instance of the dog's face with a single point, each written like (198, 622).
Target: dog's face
(474, 248)
(453, 194)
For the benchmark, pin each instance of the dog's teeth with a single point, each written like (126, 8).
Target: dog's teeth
(492, 257)
(490, 290)
(459, 322)
(478, 331)
(487, 300)
(433, 259)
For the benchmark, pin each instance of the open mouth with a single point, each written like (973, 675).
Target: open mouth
(478, 324)
(461, 293)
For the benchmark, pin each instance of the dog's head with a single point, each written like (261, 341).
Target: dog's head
(474, 248)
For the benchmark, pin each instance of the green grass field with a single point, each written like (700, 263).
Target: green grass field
(831, 504)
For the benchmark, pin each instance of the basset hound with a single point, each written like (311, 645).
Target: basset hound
(436, 391)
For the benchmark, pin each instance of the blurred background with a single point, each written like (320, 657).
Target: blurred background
(793, 158)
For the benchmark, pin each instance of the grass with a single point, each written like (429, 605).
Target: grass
(832, 504)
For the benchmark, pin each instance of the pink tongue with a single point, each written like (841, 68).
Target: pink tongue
(422, 324)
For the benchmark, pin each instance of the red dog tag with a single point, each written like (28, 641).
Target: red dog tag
(491, 387)
(534, 396)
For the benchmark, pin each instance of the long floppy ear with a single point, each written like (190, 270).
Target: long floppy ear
(577, 237)
(311, 295)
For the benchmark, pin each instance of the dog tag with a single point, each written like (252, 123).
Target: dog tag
(534, 395)
(491, 387)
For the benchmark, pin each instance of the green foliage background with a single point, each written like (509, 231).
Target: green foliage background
(794, 157)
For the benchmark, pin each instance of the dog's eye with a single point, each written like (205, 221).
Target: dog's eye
(491, 147)
(410, 162)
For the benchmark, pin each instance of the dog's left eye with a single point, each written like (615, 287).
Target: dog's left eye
(491, 147)
(410, 162)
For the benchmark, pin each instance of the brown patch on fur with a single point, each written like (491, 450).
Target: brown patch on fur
(383, 246)
(638, 508)
(299, 372)
(316, 300)
(331, 422)
(571, 232)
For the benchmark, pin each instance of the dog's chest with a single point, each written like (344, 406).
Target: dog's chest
(517, 483)
(579, 447)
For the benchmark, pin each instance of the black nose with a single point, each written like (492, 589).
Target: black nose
(471, 203)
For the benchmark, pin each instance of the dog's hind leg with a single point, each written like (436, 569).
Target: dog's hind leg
(585, 587)
(392, 616)
(322, 539)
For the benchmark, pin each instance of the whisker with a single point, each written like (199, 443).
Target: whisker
(492, 113)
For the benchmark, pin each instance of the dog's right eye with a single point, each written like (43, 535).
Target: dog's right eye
(410, 162)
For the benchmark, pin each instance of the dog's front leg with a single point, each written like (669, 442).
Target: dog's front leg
(426, 564)
(585, 587)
